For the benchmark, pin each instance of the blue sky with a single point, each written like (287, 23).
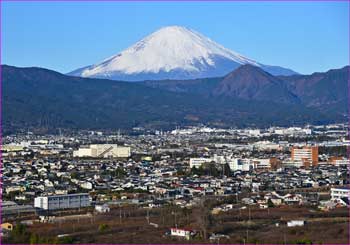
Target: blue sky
(63, 36)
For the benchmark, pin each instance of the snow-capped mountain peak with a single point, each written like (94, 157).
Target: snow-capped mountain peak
(172, 52)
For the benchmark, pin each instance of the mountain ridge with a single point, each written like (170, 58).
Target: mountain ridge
(301, 86)
(41, 98)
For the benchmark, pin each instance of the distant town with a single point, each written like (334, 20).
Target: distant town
(188, 185)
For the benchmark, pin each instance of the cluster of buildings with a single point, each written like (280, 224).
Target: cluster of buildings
(300, 156)
(155, 168)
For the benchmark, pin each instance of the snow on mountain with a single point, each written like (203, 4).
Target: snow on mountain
(172, 52)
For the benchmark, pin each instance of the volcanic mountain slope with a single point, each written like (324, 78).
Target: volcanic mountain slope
(252, 83)
(325, 91)
(247, 82)
(172, 52)
(35, 97)
(320, 88)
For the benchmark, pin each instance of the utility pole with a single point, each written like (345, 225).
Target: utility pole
(147, 218)
(249, 214)
(248, 223)
(175, 220)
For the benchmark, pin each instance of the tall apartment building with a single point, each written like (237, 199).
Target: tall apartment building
(56, 202)
(306, 155)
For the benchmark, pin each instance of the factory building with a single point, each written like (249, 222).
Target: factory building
(56, 202)
(103, 151)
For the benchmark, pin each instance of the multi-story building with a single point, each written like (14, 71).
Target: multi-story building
(262, 163)
(197, 162)
(240, 164)
(68, 201)
(306, 156)
(103, 151)
(340, 192)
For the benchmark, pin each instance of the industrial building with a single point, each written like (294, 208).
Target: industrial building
(103, 151)
(56, 202)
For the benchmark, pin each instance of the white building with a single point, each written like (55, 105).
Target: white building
(219, 159)
(102, 208)
(340, 192)
(240, 164)
(197, 162)
(294, 223)
(293, 131)
(254, 132)
(86, 185)
(266, 145)
(56, 202)
(103, 151)
(185, 233)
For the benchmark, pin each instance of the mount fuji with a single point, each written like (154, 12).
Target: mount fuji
(172, 52)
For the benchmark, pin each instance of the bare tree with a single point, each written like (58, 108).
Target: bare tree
(203, 218)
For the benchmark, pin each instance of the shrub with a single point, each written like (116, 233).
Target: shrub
(102, 227)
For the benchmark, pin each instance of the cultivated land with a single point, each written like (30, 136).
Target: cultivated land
(130, 225)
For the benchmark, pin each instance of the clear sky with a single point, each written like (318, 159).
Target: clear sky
(63, 36)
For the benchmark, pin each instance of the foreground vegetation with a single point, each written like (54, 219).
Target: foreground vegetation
(130, 224)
